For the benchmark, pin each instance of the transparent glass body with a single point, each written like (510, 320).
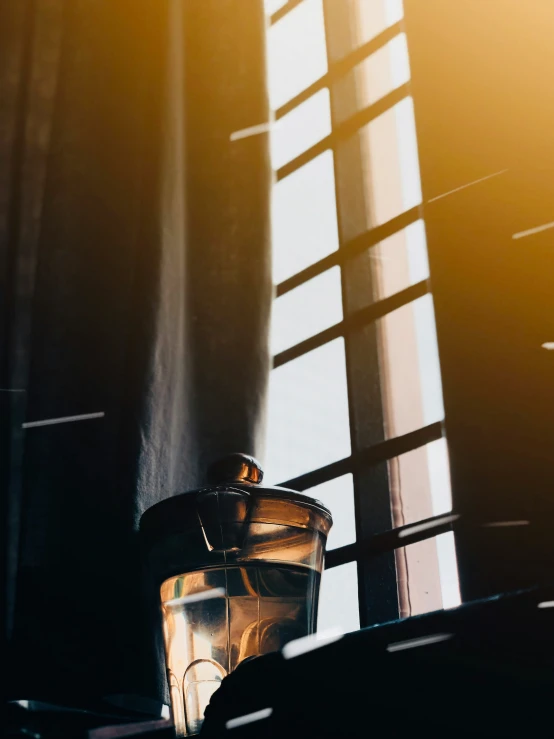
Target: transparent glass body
(261, 609)
(253, 587)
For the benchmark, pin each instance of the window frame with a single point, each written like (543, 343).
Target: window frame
(380, 598)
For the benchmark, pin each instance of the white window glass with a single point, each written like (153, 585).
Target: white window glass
(306, 310)
(374, 16)
(448, 570)
(296, 52)
(300, 129)
(272, 6)
(428, 356)
(304, 217)
(420, 480)
(431, 575)
(338, 600)
(391, 167)
(307, 413)
(400, 260)
(420, 485)
(383, 71)
(338, 496)
(410, 359)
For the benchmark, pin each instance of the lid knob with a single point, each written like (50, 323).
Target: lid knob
(235, 468)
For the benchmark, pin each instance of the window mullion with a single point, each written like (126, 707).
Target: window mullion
(377, 581)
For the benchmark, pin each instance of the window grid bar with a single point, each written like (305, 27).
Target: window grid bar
(390, 540)
(345, 130)
(377, 591)
(382, 452)
(284, 10)
(340, 68)
(355, 320)
(350, 249)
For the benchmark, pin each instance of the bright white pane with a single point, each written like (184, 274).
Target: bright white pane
(307, 413)
(304, 217)
(407, 149)
(306, 310)
(383, 71)
(338, 600)
(394, 10)
(420, 480)
(392, 167)
(400, 260)
(428, 355)
(448, 568)
(439, 476)
(296, 52)
(416, 246)
(411, 369)
(374, 16)
(301, 128)
(272, 6)
(338, 496)
(420, 563)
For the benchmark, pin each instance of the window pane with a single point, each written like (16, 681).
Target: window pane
(399, 261)
(448, 569)
(272, 6)
(338, 496)
(390, 163)
(338, 600)
(296, 52)
(306, 310)
(428, 575)
(383, 71)
(420, 483)
(304, 218)
(380, 73)
(376, 15)
(301, 128)
(420, 488)
(419, 583)
(308, 413)
(411, 369)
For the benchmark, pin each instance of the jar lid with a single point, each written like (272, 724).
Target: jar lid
(241, 475)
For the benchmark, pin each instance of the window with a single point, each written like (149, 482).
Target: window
(355, 402)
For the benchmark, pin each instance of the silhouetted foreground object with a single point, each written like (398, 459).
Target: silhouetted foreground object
(485, 669)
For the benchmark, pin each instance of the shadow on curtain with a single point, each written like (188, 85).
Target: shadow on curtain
(136, 288)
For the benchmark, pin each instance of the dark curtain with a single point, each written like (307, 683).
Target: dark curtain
(135, 284)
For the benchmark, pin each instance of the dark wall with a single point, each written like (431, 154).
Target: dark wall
(484, 103)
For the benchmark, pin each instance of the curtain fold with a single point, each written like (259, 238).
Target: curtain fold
(136, 274)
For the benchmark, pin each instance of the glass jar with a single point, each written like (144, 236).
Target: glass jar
(238, 568)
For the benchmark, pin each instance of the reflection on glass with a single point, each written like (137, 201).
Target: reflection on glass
(338, 496)
(257, 609)
(300, 129)
(308, 423)
(338, 601)
(297, 53)
(304, 217)
(306, 310)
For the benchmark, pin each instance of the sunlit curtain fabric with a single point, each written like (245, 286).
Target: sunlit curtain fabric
(135, 292)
